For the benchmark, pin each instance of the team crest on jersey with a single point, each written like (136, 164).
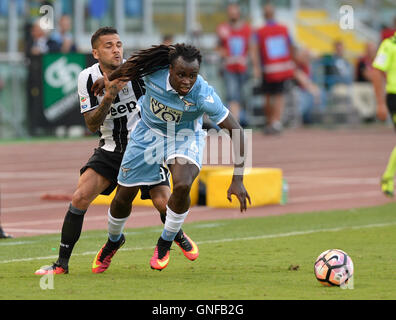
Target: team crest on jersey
(125, 171)
(163, 112)
(125, 90)
(187, 104)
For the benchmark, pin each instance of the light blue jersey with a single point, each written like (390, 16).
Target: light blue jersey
(171, 128)
(162, 105)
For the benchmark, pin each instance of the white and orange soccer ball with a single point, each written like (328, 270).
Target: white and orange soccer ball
(333, 267)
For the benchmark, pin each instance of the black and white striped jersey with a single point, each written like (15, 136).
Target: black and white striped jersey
(124, 112)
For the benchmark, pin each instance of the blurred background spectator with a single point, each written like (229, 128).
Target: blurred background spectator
(63, 36)
(40, 41)
(338, 79)
(363, 96)
(309, 95)
(272, 56)
(167, 39)
(388, 31)
(233, 47)
(337, 68)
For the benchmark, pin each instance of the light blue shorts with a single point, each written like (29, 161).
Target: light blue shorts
(148, 149)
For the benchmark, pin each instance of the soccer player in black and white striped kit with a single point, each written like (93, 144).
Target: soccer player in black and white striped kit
(113, 115)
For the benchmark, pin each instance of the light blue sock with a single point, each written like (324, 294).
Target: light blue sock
(168, 235)
(115, 237)
(173, 223)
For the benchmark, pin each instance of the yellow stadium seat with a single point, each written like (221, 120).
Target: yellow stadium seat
(317, 31)
(264, 186)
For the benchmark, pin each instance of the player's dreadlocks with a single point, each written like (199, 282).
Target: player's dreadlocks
(147, 61)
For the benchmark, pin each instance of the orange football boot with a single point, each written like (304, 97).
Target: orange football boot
(103, 258)
(54, 269)
(189, 248)
(160, 258)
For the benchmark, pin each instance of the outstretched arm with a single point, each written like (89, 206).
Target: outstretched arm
(95, 118)
(238, 143)
(117, 74)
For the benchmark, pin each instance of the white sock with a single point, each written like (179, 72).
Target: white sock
(115, 227)
(173, 224)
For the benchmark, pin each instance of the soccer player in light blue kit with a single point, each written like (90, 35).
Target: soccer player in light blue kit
(171, 131)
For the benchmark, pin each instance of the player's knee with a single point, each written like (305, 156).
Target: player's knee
(120, 208)
(160, 203)
(182, 188)
(81, 199)
(121, 202)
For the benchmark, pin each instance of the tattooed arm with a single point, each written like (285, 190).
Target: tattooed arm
(95, 118)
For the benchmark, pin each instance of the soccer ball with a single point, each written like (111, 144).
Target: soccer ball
(333, 268)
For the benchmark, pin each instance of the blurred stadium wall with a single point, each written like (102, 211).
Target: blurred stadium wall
(141, 23)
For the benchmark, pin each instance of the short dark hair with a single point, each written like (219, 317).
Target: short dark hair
(102, 32)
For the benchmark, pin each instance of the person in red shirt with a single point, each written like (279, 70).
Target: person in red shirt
(233, 47)
(388, 32)
(272, 57)
(363, 95)
(364, 63)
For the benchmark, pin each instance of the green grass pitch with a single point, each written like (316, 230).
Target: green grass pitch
(253, 258)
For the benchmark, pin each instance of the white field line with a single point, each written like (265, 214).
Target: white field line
(16, 243)
(42, 231)
(332, 180)
(23, 195)
(26, 175)
(314, 172)
(266, 236)
(69, 182)
(24, 209)
(53, 165)
(336, 196)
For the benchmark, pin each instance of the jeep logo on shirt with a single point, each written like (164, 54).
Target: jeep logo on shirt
(120, 109)
(165, 113)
